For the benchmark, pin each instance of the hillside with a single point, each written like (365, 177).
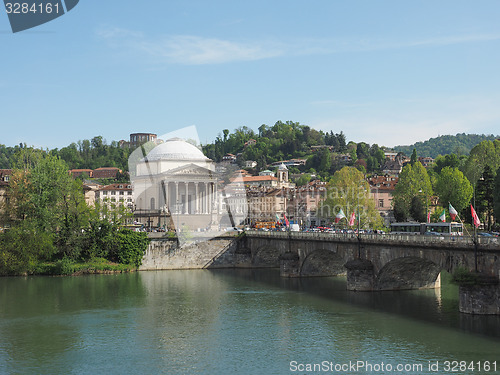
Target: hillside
(459, 144)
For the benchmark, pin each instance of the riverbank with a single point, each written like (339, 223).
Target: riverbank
(67, 267)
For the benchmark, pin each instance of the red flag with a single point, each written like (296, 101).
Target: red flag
(351, 220)
(428, 216)
(287, 223)
(475, 218)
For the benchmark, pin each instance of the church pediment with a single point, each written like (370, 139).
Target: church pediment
(191, 170)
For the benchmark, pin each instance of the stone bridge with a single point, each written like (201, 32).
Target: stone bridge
(382, 262)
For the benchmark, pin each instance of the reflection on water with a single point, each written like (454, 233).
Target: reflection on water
(226, 321)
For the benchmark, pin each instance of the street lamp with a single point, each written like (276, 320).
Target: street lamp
(426, 206)
(475, 228)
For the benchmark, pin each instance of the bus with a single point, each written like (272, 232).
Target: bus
(445, 229)
(265, 225)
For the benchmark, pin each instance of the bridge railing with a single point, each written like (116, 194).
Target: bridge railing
(465, 240)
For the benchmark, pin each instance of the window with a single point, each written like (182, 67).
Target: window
(381, 203)
(6, 178)
(129, 193)
(122, 192)
(104, 193)
(113, 192)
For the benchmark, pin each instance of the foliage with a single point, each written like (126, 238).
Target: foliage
(451, 160)
(496, 196)
(348, 190)
(22, 247)
(485, 190)
(413, 181)
(130, 247)
(460, 144)
(486, 153)
(453, 187)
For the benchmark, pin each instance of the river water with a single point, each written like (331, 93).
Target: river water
(235, 322)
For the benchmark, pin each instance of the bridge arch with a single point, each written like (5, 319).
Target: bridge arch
(323, 262)
(407, 273)
(266, 257)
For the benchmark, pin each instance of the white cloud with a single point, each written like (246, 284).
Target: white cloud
(198, 50)
(194, 50)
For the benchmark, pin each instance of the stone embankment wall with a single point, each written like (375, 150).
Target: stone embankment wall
(165, 254)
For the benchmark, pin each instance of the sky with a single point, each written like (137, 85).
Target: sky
(385, 72)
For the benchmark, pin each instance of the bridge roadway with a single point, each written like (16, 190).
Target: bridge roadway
(382, 262)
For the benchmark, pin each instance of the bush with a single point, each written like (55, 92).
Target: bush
(130, 247)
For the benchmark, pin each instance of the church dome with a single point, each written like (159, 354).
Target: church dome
(176, 149)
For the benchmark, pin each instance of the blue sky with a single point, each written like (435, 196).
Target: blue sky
(386, 72)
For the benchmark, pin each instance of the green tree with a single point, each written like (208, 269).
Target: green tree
(453, 187)
(348, 190)
(413, 181)
(483, 154)
(497, 197)
(485, 189)
(413, 158)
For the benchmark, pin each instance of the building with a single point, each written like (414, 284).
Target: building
(426, 161)
(137, 139)
(381, 191)
(250, 142)
(106, 172)
(4, 186)
(250, 164)
(305, 202)
(79, 172)
(114, 195)
(267, 179)
(90, 190)
(266, 204)
(229, 159)
(290, 163)
(176, 186)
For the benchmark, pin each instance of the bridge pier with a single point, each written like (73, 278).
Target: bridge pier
(360, 275)
(481, 298)
(289, 265)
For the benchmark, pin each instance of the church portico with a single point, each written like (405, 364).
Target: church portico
(177, 181)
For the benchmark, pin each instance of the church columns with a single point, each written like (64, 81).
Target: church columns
(196, 198)
(186, 203)
(176, 197)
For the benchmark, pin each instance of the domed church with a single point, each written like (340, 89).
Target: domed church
(175, 186)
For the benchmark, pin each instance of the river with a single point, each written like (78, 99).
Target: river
(235, 322)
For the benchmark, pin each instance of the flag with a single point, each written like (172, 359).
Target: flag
(277, 218)
(287, 223)
(453, 212)
(429, 216)
(442, 217)
(339, 216)
(475, 218)
(351, 220)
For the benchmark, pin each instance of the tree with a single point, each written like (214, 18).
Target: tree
(497, 197)
(485, 189)
(483, 154)
(348, 190)
(413, 181)
(453, 187)
(413, 158)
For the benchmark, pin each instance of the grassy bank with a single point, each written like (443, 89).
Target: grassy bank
(93, 266)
